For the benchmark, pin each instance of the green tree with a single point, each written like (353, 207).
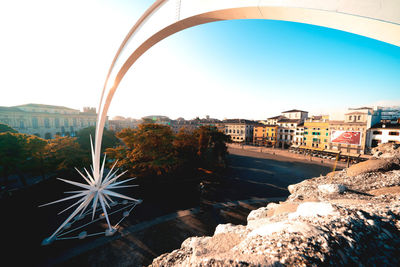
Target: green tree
(5, 128)
(146, 151)
(109, 139)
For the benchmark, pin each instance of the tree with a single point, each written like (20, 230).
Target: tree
(5, 128)
(186, 145)
(11, 154)
(64, 153)
(212, 148)
(36, 148)
(109, 139)
(147, 151)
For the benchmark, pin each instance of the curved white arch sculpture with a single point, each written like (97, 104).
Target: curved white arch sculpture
(377, 19)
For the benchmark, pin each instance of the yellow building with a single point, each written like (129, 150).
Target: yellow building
(265, 135)
(316, 133)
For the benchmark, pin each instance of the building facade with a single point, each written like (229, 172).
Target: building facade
(355, 126)
(351, 136)
(118, 123)
(316, 133)
(299, 135)
(287, 132)
(295, 114)
(265, 135)
(46, 121)
(290, 127)
(390, 113)
(384, 133)
(240, 131)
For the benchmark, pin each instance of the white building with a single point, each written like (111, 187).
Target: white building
(291, 128)
(46, 121)
(240, 131)
(296, 114)
(287, 132)
(273, 120)
(299, 135)
(384, 133)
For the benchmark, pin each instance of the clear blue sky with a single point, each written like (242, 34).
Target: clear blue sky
(58, 53)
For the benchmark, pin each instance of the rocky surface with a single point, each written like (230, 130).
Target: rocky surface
(351, 217)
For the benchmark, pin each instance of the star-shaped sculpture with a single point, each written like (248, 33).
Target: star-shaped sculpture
(97, 192)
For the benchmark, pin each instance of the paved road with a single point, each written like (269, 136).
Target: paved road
(251, 176)
(254, 174)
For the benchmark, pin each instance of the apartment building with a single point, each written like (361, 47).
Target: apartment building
(316, 133)
(240, 131)
(382, 133)
(265, 135)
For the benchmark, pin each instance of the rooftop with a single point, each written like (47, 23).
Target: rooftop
(386, 126)
(294, 110)
(276, 117)
(289, 120)
(355, 113)
(31, 105)
(241, 121)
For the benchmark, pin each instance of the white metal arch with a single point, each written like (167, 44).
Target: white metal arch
(377, 19)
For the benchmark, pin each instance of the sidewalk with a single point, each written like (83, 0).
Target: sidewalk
(281, 154)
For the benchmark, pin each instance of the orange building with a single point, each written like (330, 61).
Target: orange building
(265, 135)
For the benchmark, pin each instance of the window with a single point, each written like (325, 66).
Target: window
(75, 122)
(21, 124)
(35, 123)
(305, 133)
(350, 117)
(394, 133)
(57, 122)
(66, 123)
(359, 117)
(47, 124)
(327, 134)
(377, 132)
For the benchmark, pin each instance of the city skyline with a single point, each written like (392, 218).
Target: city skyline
(248, 68)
